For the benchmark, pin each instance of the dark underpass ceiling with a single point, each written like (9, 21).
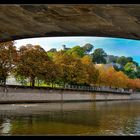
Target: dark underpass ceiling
(50, 20)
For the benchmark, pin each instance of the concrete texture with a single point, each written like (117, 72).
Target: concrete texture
(45, 20)
(45, 96)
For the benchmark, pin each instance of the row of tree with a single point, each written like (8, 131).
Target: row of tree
(69, 66)
(125, 64)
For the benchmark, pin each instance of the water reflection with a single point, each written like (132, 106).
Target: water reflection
(98, 118)
(5, 126)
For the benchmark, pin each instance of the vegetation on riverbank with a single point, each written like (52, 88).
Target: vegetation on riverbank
(70, 66)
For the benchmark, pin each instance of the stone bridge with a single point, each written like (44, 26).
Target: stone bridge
(18, 21)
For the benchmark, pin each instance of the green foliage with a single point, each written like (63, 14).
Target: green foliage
(130, 69)
(135, 63)
(88, 48)
(111, 58)
(50, 54)
(22, 80)
(76, 51)
(129, 59)
(98, 56)
(122, 60)
(138, 72)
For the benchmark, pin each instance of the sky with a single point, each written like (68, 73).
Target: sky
(112, 46)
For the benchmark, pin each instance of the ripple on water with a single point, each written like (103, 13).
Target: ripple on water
(98, 119)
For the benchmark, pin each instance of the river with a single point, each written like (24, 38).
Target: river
(86, 118)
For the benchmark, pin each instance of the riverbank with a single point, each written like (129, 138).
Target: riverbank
(29, 95)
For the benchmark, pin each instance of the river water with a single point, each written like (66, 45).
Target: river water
(86, 118)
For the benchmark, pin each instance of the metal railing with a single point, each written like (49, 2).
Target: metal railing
(72, 87)
(98, 89)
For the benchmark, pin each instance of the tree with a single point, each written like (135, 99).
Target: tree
(92, 73)
(138, 72)
(98, 56)
(122, 60)
(76, 51)
(134, 84)
(111, 59)
(8, 58)
(121, 80)
(129, 59)
(112, 78)
(102, 76)
(22, 80)
(71, 67)
(87, 48)
(130, 69)
(52, 50)
(86, 59)
(135, 63)
(107, 76)
(50, 73)
(31, 59)
(77, 72)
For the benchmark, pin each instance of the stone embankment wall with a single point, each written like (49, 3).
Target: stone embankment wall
(27, 95)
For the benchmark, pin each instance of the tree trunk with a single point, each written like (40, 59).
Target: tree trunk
(64, 85)
(38, 82)
(4, 81)
(32, 81)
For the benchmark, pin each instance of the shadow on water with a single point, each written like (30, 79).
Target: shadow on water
(89, 118)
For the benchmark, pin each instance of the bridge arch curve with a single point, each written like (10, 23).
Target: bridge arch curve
(20, 21)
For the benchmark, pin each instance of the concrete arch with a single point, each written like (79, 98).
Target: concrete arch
(20, 21)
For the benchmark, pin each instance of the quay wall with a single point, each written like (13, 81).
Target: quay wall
(27, 95)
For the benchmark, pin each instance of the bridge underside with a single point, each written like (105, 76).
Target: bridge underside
(51, 20)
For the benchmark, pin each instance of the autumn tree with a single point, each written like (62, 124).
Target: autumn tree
(104, 79)
(87, 59)
(71, 67)
(31, 59)
(134, 84)
(50, 73)
(91, 73)
(108, 76)
(63, 60)
(121, 80)
(8, 58)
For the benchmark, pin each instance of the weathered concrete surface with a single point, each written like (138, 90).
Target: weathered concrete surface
(45, 96)
(45, 20)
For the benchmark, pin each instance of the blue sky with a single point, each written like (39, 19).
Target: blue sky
(114, 46)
